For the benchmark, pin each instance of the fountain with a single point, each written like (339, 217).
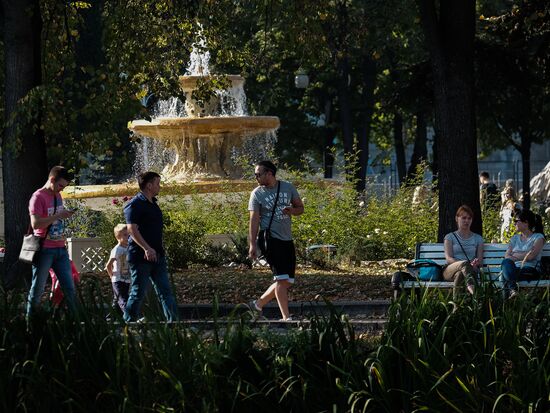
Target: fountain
(211, 135)
(196, 145)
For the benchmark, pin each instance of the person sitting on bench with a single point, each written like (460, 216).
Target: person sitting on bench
(463, 252)
(523, 256)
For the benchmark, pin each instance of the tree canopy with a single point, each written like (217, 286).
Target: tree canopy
(380, 72)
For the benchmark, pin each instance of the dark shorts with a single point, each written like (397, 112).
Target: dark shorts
(281, 257)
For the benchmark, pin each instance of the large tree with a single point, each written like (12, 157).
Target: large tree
(24, 165)
(513, 58)
(449, 28)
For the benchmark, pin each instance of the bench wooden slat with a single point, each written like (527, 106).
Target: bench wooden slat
(447, 284)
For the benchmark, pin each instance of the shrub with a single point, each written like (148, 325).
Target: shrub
(373, 229)
(184, 238)
(85, 223)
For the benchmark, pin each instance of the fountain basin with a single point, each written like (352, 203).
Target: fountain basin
(170, 128)
(167, 188)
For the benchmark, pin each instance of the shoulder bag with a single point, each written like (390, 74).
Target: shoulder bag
(425, 270)
(265, 234)
(32, 244)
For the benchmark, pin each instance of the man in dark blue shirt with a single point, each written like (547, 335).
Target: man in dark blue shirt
(146, 258)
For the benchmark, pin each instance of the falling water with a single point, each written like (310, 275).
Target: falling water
(169, 108)
(186, 157)
(199, 61)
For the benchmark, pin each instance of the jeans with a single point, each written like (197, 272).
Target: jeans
(58, 260)
(120, 296)
(140, 273)
(510, 274)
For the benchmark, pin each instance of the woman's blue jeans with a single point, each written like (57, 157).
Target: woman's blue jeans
(58, 260)
(511, 274)
(158, 273)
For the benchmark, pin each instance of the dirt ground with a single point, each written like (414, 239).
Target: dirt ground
(369, 281)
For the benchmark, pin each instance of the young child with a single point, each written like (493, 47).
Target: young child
(117, 268)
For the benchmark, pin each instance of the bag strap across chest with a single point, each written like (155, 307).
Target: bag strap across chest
(274, 206)
(30, 230)
(459, 243)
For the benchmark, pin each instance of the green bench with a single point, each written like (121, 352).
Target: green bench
(493, 254)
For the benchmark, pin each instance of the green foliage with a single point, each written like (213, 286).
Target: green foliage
(491, 225)
(86, 222)
(184, 238)
(233, 253)
(223, 213)
(478, 354)
(377, 228)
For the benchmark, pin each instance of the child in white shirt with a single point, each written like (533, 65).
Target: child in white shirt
(117, 268)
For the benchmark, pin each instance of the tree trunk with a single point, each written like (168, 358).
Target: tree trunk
(435, 160)
(344, 103)
(24, 163)
(88, 55)
(399, 147)
(367, 109)
(328, 147)
(526, 170)
(420, 151)
(450, 34)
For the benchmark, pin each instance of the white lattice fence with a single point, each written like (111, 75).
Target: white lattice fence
(87, 254)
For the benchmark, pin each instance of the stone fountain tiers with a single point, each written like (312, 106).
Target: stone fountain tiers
(174, 128)
(204, 142)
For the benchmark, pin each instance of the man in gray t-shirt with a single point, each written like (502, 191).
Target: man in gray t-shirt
(271, 207)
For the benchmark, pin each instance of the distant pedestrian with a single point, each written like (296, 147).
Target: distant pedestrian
(47, 214)
(510, 207)
(117, 268)
(146, 255)
(488, 192)
(271, 206)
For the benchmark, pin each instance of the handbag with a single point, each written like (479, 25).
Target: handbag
(265, 234)
(32, 244)
(425, 270)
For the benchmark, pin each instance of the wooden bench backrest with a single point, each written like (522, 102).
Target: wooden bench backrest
(493, 254)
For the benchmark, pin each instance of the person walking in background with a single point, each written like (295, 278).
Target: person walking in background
(463, 252)
(523, 256)
(271, 206)
(488, 192)
(509, 207)
(146, 257)
(47, 214)
(117, 268)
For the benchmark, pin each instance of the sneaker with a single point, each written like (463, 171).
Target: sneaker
(513, 294)
(286, 319)
(141, 320)
(254, 307)
(471, 289)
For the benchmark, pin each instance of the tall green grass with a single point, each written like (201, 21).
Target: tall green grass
(481, 354)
